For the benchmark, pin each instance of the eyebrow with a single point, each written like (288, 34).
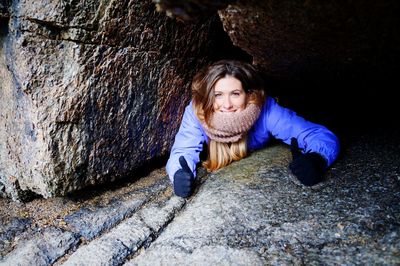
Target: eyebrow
(215, 91)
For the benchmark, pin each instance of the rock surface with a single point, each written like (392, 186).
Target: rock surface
(191, 9)
(90, 90)
(4, 8)
(303, 39)
(253, 212)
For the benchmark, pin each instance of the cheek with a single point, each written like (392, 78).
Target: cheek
(216, 105)
(241, 102)
(218, 102)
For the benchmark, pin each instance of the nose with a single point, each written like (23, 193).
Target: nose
(227, 104)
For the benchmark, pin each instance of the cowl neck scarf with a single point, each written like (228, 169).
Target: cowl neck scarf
(231, 126)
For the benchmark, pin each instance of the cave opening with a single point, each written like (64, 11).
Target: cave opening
(353, 100)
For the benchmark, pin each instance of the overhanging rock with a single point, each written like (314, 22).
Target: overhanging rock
(90, 90)
(296, 39)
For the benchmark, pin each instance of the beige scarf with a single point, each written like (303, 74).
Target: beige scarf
(231, 127)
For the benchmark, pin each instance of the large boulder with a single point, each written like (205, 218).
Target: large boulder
(294, 39)
(289, 39)
(90, 90)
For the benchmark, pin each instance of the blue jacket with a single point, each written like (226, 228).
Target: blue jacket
(274, 121)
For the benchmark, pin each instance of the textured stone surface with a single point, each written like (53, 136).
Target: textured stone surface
(44, 249)
(253, 212)
(4, 9)
(90, 90)
(298, 39)
(191, 9)
(10, 230)
(125, 239)
(90, 222)
(289, 39)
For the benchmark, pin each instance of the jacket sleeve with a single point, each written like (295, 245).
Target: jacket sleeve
(188, 143)
(285, 124)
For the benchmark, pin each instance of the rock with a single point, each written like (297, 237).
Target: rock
(4, 9)
(191, 9)
(91, 90)
(206, 255)
(304, 39)
(252, 212)
(125, 239)
(299, 40)
(44, 249)
(90, 222)
(11, 230)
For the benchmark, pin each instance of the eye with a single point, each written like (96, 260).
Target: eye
(217, 95)
(236, 93)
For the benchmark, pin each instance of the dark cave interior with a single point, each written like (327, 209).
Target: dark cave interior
(358, 99)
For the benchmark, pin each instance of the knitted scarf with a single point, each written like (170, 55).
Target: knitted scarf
(231, 127)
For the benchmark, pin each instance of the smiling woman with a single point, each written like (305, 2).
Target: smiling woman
(231, 114)
(233, 104)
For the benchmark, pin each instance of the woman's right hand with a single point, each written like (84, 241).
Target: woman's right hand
(183, 180)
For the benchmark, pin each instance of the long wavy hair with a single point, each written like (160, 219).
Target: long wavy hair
(221, 154)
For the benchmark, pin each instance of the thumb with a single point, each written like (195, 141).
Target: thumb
(184, 165)
(294, 148)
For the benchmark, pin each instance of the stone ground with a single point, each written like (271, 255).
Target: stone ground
(252, 212)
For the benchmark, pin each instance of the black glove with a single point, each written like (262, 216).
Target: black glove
(307, 167)
(183, 180)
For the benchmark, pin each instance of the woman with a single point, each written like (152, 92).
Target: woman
(230, 113)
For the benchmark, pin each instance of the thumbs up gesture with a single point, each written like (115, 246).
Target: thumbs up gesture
(307, 167)
(183, 180)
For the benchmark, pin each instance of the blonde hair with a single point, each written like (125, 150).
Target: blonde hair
(221, 154)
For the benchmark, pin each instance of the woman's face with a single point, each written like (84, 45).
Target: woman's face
(229, 95)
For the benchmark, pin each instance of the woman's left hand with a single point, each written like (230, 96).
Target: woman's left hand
(307, 167)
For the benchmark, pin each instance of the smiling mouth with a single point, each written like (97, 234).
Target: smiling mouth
(227, 111)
